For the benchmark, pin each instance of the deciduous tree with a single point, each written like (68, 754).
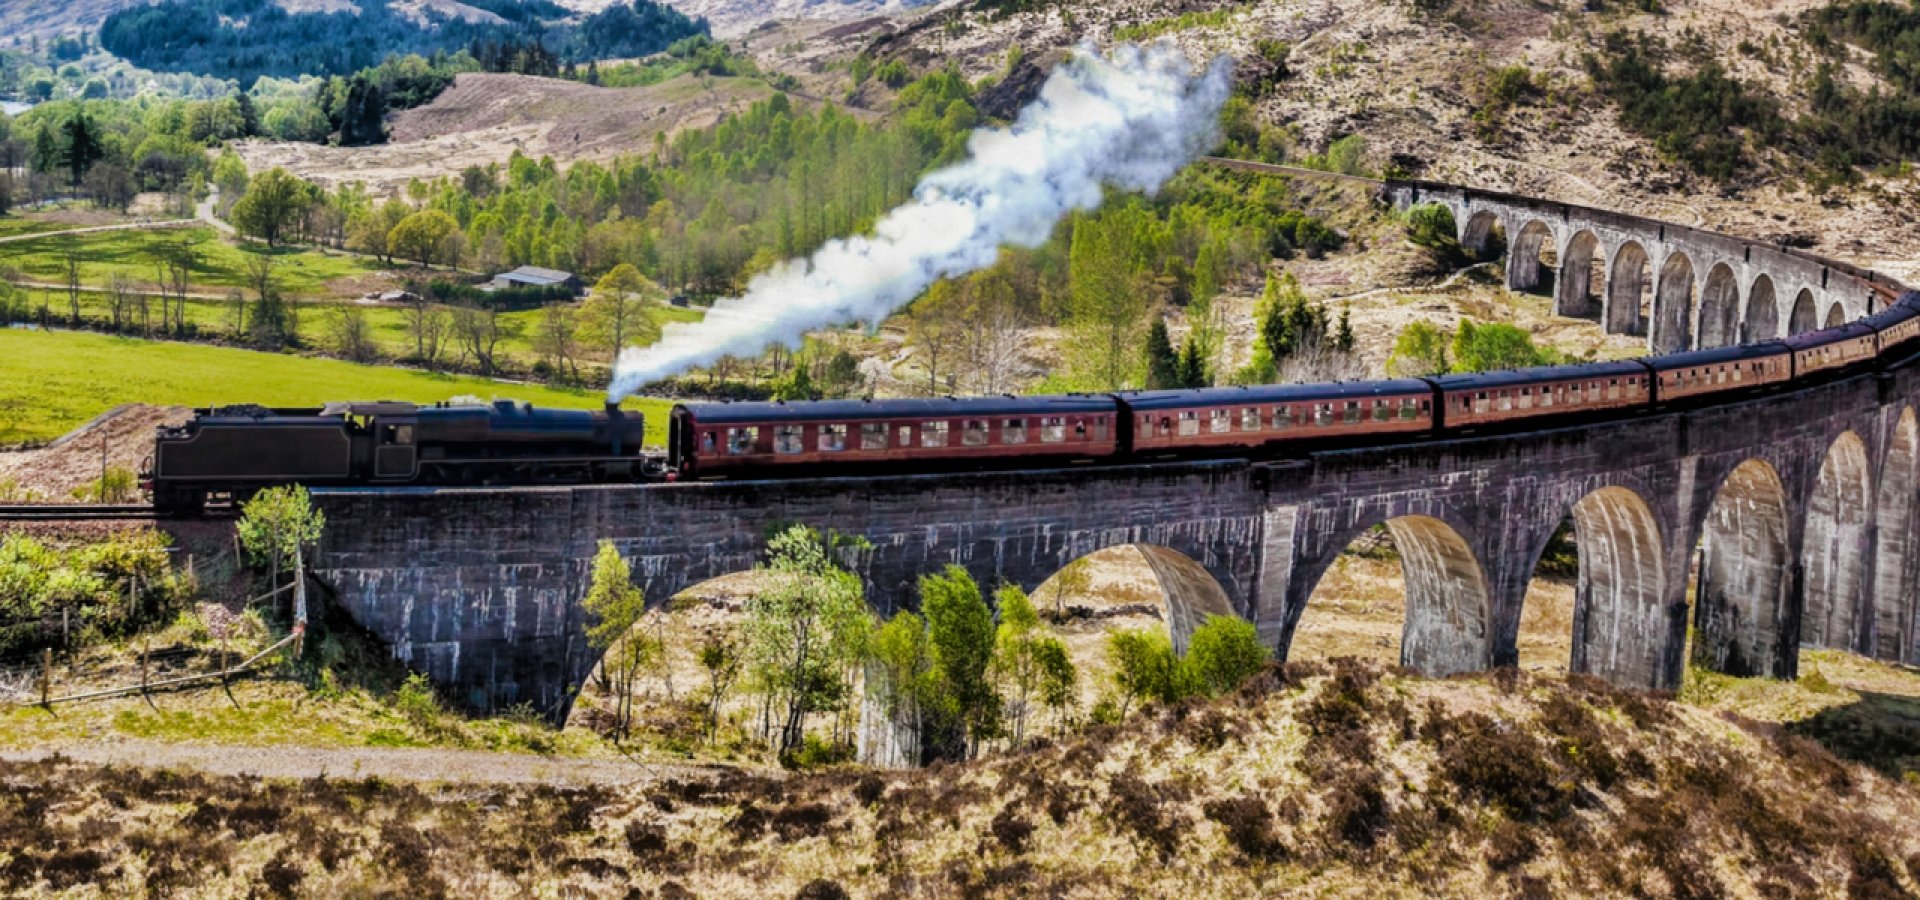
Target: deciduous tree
(423, 237)
(277, 525)
(617, 607)
(803, 634)
(274, 201)
(960, 633)
(617, 315)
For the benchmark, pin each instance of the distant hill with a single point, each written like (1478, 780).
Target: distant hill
(247, 39)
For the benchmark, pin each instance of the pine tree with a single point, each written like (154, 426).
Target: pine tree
(83, 147)
(1343, 336)
(1193, 365)
(249, 117)
(1163, 364)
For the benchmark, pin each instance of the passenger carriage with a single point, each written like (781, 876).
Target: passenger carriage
(1252, 417)
(709, 439)
(1697, 373)
(1832, 349)
(1487, 398)
(1897, 325)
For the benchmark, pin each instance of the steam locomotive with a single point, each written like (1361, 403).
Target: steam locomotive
(226, 454)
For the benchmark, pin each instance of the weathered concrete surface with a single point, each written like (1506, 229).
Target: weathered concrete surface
(479, 588)
(1700, 288)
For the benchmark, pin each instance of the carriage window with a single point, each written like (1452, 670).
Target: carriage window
(1546, 396)
(400, 434)
(1282, 417)
(1525, 398)
(1189, 422)
(1053, 430)
(1323, 414)
(1381, 411)
(1352, 413)
(1100, 428)
(974, 434)
(933, 434)
(709, 442)
(1014, 432)
(1409, 409)
(1220, 421)
(873, 436)
(741, 440)
(906, 435)
(787, 438)
(833, 438)
(1250, 419)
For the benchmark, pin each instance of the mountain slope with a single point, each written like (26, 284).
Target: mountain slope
(1428, 93)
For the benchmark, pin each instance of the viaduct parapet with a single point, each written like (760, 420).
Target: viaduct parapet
(1798, 508)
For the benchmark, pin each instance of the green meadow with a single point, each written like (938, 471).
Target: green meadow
(51, 382)
(222, 263)
(387, 324)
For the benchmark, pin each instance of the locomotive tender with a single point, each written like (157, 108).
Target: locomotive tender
(225, 455)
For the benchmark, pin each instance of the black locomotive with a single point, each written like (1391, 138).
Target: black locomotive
(226, 454)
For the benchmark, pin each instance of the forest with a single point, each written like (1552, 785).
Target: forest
(247, 39)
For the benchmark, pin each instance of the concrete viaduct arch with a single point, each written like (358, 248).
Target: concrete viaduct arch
(1708, 289)
(1801, 506)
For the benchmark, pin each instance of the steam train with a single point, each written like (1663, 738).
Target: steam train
(226, 454)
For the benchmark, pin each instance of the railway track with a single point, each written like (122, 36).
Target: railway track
(74, 512)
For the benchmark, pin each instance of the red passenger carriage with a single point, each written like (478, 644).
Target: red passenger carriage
(708, 439)
(1490, 398)
(1209, 419)
(1698, 373)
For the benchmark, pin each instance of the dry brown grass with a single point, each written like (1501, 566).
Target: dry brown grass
(1341, 779)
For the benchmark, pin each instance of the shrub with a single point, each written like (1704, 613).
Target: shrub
(1249, 826)
(1224, 652)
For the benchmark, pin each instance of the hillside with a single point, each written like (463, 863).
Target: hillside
(1420, 88)
(485, 117)
(1342, 779)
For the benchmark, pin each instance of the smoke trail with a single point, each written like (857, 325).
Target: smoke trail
(1129, 120)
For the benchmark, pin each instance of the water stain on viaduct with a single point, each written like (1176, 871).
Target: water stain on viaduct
(1801, 506)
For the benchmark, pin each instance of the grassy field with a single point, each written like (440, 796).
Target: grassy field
(223, 263)
(51, 382)
(10, 226)
(317, 321)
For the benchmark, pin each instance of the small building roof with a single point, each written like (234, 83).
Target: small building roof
(535, 275)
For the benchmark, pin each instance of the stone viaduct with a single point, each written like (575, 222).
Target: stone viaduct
(1798, 507)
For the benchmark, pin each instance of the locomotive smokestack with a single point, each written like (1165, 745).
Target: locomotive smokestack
(1129, 119)
(613, 409)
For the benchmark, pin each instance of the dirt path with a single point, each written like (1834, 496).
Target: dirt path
(130, 226)
(394, 763)
(204, 212)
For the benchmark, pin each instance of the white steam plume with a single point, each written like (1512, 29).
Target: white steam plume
(1129, 120)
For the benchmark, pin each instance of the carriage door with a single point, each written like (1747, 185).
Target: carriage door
(393, 458)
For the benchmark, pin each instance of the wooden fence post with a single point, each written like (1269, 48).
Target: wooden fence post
(46, 676)
(146, 647)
